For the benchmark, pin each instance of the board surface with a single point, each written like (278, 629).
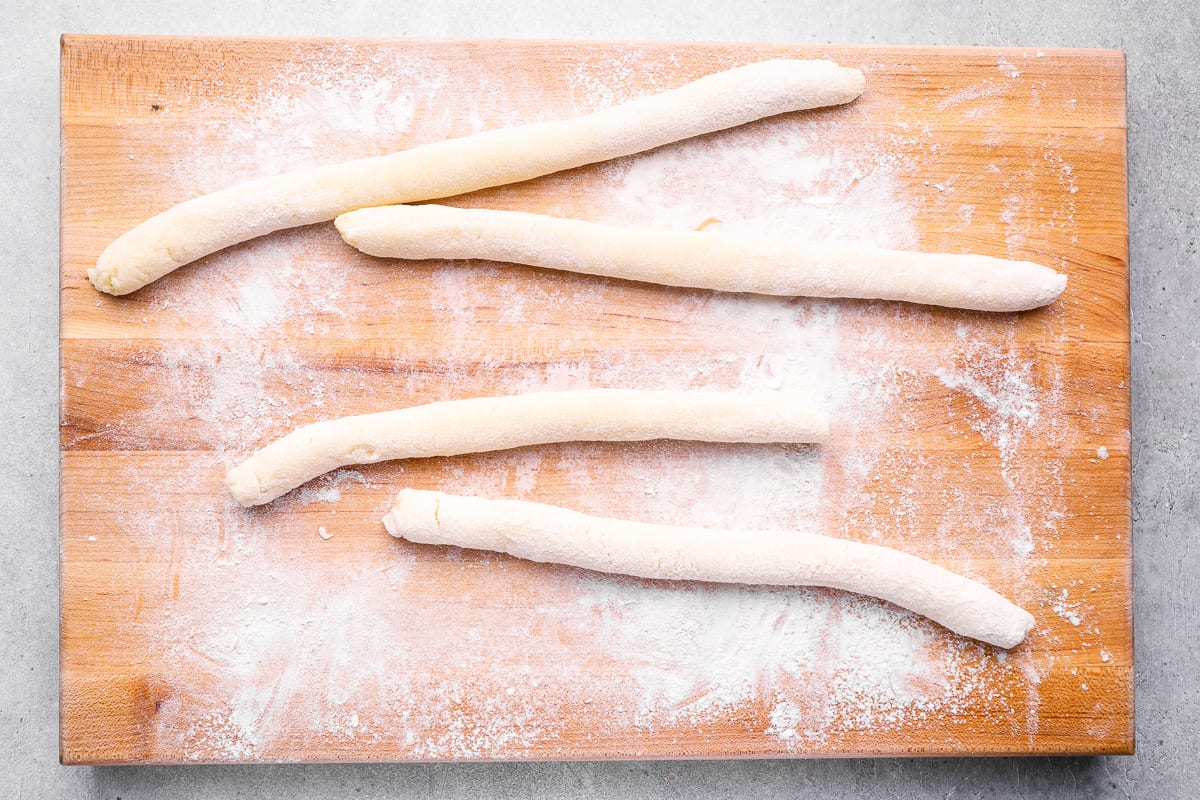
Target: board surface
(996, 445)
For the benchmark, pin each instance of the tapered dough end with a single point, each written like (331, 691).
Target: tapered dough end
(245, 486)
(856, 82)
(106, 275)
(401, 230)
(1010, 631)
(107, 279)
(103, 281)
(127, 265)
(350, 226)
(985, 283)
(1056, 284)
(810, 84)
(1031, 286)
(414, 516)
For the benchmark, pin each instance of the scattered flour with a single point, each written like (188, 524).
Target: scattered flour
(1066, 609)
(1001, 382)
(1007, 67)
(1022, 543)
(325, 494)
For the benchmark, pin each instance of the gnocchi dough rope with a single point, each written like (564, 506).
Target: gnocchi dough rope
(702, 259)
(483, 424)
(781, 558)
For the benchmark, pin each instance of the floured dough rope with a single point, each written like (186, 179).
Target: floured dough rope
(781, 558)
(702, 259)
(484, 424)
(214, 221)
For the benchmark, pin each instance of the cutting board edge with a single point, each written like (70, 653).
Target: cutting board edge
(72, 38)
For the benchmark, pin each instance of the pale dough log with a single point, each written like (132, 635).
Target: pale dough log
(211, 222)
(702, 259)
(779, 558)
(483, 424)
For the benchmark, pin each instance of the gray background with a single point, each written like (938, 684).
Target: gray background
(1162, 41)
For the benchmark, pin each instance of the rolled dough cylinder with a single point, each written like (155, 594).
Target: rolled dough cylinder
(779, 558)
(483, 424)
(703, 259)
(211, 222)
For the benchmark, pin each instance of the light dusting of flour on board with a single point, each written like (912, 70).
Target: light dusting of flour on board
(325, 109)
(784, 183)
(1001, 383)
(342, 646)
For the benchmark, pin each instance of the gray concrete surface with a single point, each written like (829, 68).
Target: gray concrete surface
(1162, 40)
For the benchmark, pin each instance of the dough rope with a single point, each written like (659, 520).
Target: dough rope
(780, 558)
(484, 424)
(215, 221)
(702, 259)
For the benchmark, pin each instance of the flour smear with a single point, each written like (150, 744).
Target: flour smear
(506, 659)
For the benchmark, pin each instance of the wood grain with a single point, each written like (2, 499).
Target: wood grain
(1007, 152)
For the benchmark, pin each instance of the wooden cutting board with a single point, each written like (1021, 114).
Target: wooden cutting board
(997, 445)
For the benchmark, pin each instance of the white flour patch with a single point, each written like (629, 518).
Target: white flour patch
(1022, 542)
(697, 652)
(324, 110)
(1016, 224)
(974, 102)
(787, 184)
(1066, 609)
(786, 717)
(1001, 383)
(324, 494)
(1007, 68)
